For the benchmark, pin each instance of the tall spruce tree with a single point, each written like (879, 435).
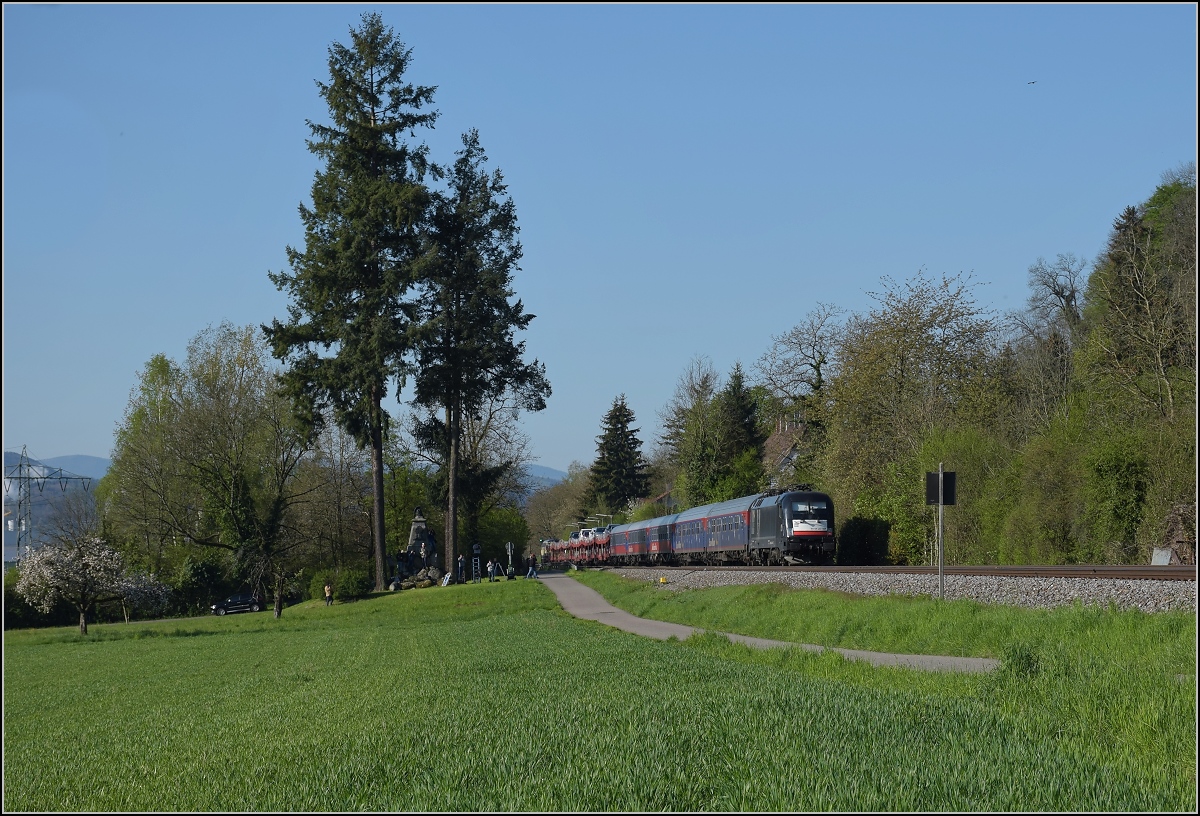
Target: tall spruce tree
(466, 351)
(348, 327)
(619, 473)
(738, 414)
(740, 439)
(714, 437)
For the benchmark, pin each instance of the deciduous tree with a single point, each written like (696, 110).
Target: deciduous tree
(492, 462)
(1040, 354)
(917, 363)
(207, 454)
(714, 436)
(551, 512)
(797, 364)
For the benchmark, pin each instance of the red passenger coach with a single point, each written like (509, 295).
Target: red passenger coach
(618, 543)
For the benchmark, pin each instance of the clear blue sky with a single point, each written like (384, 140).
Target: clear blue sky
(689, 179)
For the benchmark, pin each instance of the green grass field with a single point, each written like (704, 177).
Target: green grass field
(488, 697)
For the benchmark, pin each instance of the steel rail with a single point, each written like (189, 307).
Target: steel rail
(1139, 572)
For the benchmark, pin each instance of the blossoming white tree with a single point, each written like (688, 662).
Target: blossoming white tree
(142, 590)
(83, 572)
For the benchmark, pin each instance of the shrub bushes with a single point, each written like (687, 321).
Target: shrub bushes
(352, 583)
(347, 583)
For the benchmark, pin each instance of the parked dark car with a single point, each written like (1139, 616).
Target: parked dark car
(245, 602)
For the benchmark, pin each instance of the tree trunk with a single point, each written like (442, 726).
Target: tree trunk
(279, 595)
(451, 545)
(83, 621)
(377, 483)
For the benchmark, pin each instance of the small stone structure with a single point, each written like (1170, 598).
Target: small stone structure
(418, 563)
(424, 578)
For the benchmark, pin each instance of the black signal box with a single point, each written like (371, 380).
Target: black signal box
(931, 487)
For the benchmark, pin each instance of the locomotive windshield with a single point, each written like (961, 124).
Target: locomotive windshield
(810, 509)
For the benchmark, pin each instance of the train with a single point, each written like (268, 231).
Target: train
(776, 528)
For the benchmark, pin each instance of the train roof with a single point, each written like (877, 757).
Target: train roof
(738, 505)
(657, 521)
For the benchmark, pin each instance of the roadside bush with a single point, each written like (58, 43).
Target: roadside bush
(351, 583)
(1114, 496)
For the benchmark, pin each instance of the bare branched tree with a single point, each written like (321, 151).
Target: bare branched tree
(1056, 296)
(797, 363)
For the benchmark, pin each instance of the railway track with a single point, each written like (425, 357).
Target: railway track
(1140, 572)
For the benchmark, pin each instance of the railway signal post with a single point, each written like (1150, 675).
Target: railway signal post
(940, 490)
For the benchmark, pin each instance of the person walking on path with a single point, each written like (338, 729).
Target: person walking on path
(328, 595)
(532, 567)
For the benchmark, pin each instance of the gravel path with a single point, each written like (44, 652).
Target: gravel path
(1037, 593)
(584, 602)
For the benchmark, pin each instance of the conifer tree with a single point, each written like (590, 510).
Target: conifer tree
(714, 437)
(349, 319)
(738, 414)
(740, 439)
(466, 351)
(619, 473)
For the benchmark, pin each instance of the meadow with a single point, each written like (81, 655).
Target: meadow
(489, 697)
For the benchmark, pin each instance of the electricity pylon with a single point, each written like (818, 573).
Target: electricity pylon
(25, 474)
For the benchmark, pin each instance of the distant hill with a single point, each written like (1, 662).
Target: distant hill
(76, 465)
(543, 477)
(80, 465)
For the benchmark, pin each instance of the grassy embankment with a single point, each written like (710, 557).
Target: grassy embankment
(487, 697)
